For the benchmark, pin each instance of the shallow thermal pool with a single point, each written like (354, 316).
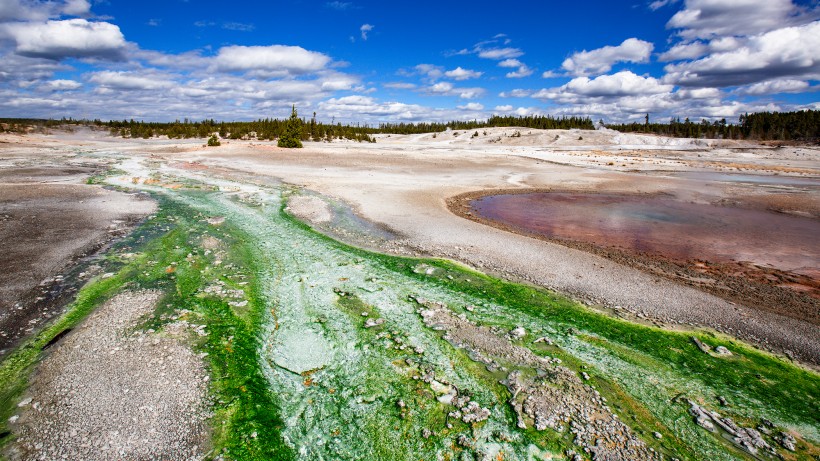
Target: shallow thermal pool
(662, 225)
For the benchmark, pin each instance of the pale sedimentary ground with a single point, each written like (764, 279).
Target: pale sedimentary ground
(352, 336)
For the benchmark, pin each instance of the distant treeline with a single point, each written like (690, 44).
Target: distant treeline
(543, 122)
(269, 129)
(802, 125)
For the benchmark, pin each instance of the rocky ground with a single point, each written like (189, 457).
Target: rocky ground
(111, 391)
(555, 398)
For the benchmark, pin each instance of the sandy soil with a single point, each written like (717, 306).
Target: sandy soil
(402, 183)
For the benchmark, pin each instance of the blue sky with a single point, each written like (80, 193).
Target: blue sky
(371, 62)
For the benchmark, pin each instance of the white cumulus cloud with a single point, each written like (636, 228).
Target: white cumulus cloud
(788, 52)
(710, 18)
(71, 38)
(474, 106)
(365, 29)
(601, 60)
(462, 74)
(624, 83)
(275, 60)
(61, 85)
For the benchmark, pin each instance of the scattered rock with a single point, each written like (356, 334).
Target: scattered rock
(787, 441)
(370, 322)
(721, 350)
(703, 347)
(517, 333)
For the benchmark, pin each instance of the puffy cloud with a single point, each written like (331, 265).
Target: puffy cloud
(441, 88)
(338, 82)
(504, 108)
(710, 18)
(353, 107)
(775, 87)
(601, 60)
(462, 74)
(367, 109)
(787, 52)
(510, 63)
(681, 51)
(473, 106)
(76, 7)
(273, 60)
(365, 29)
(522, 71)
(448, 89)
(624, 83)
(71, 38)
(61, 85)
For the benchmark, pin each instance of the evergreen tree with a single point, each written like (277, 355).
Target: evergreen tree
(292, 137)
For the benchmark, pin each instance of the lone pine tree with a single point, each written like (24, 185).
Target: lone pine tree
(292, 137)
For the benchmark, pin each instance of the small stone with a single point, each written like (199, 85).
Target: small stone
(657, 435)
(518, 333)
(721, 350)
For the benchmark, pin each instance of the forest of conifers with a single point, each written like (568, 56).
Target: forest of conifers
(800, 125)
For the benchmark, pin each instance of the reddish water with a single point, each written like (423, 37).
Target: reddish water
(663, 226)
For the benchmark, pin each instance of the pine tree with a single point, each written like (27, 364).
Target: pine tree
(291, 138)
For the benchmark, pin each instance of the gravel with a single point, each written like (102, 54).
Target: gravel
(110, 391)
